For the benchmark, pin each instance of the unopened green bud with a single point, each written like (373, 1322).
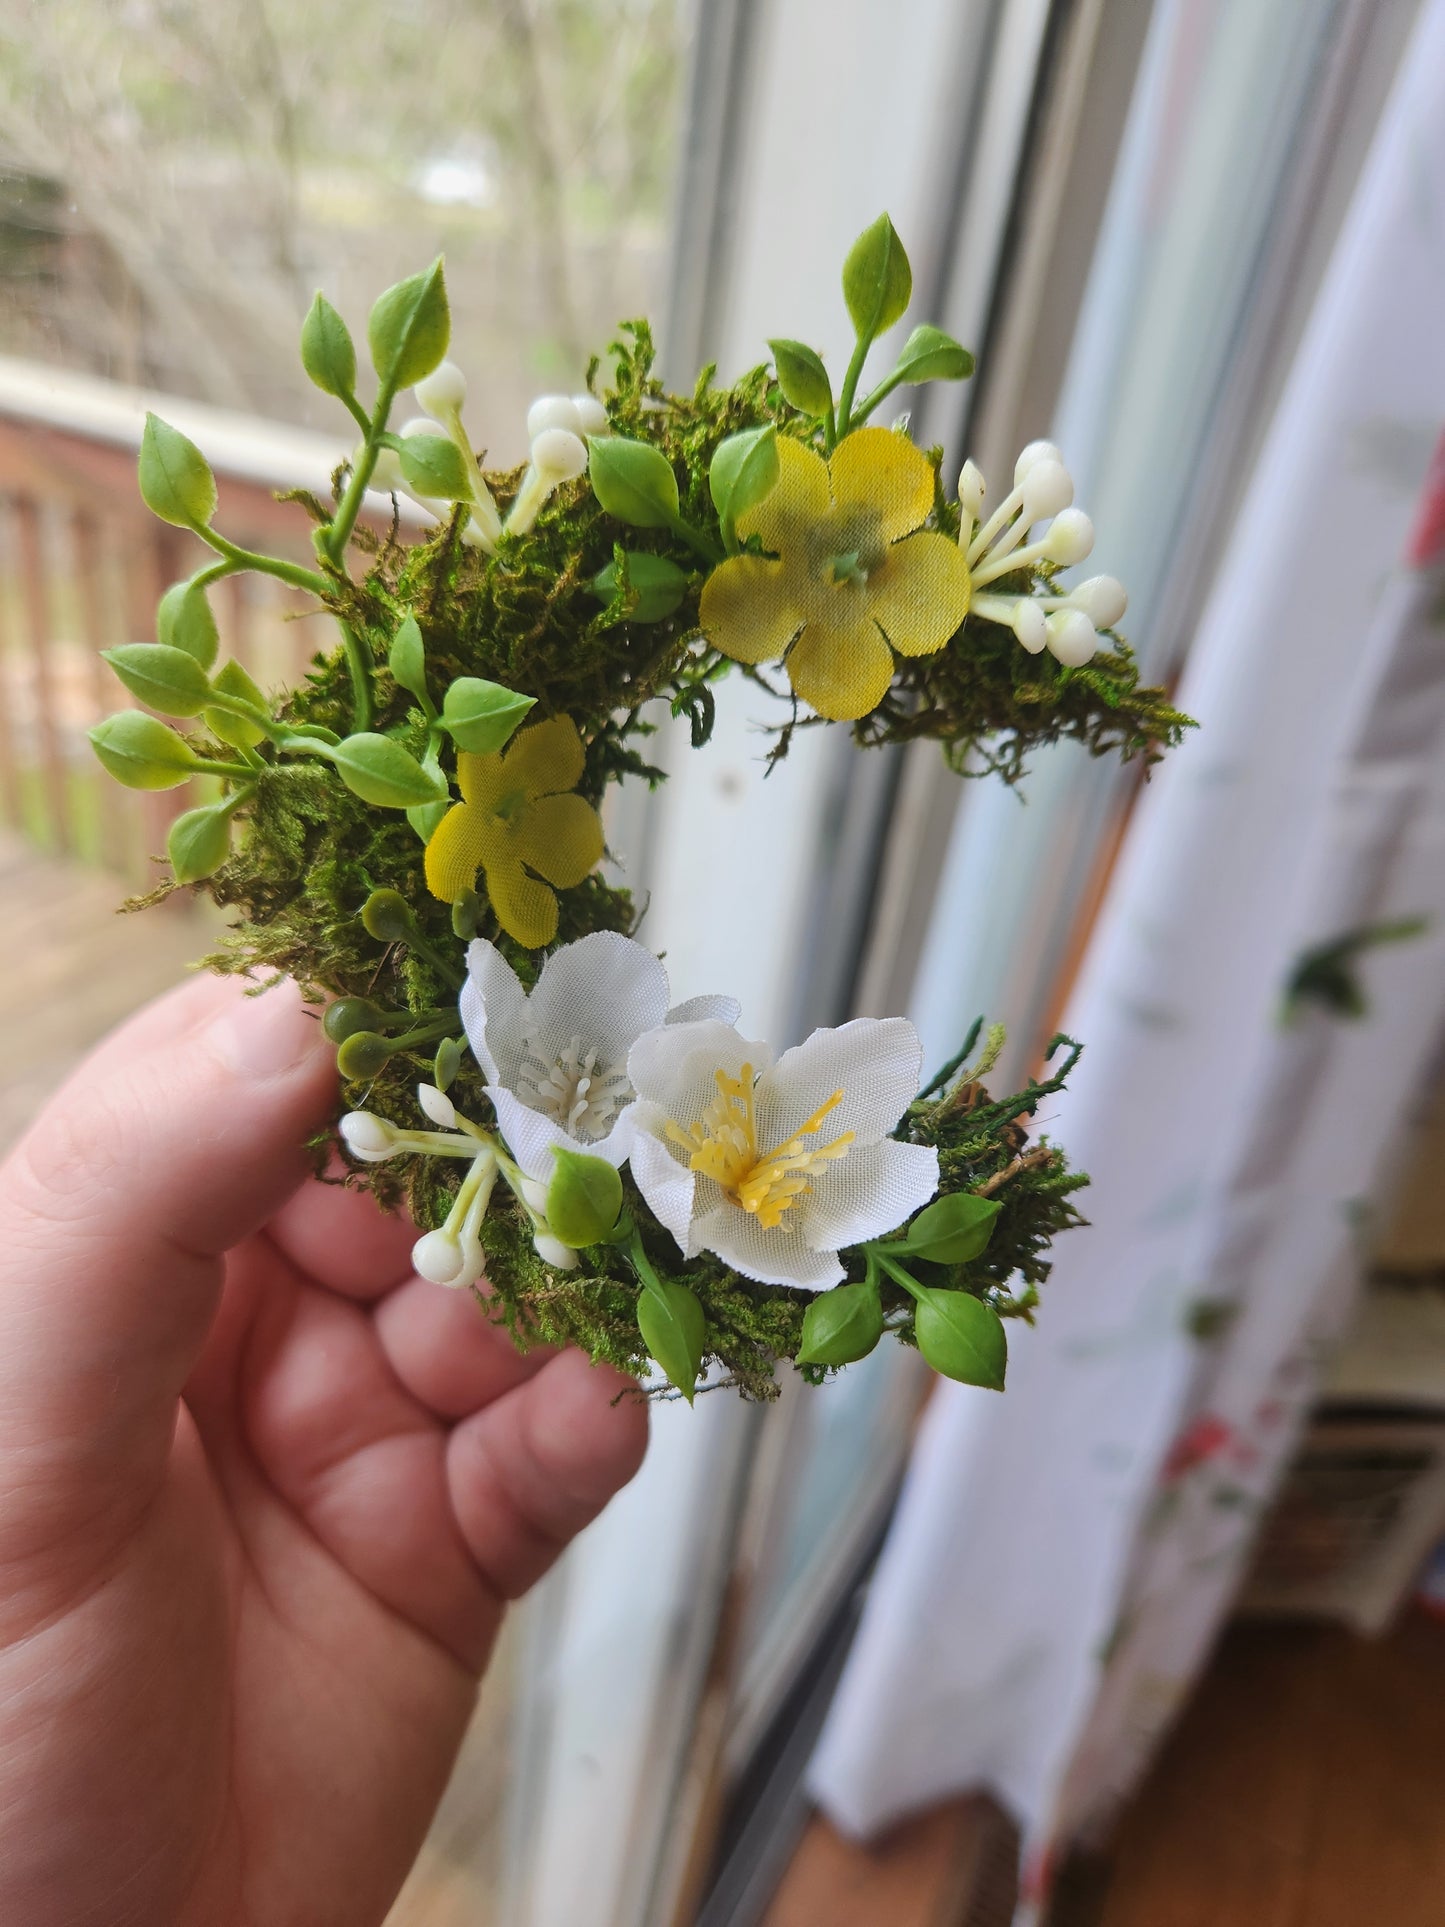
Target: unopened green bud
(584, 1198)
(407, 659)
(448, 1063)
(363, 1056)
(348, 1015)
(239, 731)
(386, 915)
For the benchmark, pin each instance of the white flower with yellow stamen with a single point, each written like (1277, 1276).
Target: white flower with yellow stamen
(777, 1166)
(556, 1061)
(1066, 624)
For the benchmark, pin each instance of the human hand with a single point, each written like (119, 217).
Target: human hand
(263, 1494)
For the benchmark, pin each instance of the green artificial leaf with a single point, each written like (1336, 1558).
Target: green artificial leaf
(424, 817)
(327, 352)
(176, 482)
(961, 1337)
(184, 621)
(584, 1199)
(380, 771)
(877, 280)
(658, 586)
(141, 752)
(448, 1063)
(239, 731)
(802, 377)
(407, 659)
(674, 1330)
(744, 472)
(199, 842)
(162, 678)
(633, 481)
(952, 1230)
(482, 717)
(841, 1326)
(931, 355)
(433, 466)
(410, 327)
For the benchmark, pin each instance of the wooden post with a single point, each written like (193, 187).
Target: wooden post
(36, 601)
(118, 848)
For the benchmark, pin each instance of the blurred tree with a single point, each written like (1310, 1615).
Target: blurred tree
(177, 175)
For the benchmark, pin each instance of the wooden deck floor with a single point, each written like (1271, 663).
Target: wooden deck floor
(71, 968)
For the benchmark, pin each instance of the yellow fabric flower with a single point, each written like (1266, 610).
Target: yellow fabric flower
(854, 572)
(515, 819)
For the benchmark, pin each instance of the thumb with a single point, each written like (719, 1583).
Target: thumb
(176, 1140)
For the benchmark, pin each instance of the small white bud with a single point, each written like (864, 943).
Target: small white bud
(387, 475)
(443, 392)
(1031, 456)
(1047, 489)
(1069, 538)
(437, 1105)
(591, 416)
(558, 456)
(1103, 599)
(1071, 637)
(553, 411)
(419, 425)
(1029, 625)
(368, 1136)
(534, 1196)
(552, 1251)
(446, 1260)
(971, 490)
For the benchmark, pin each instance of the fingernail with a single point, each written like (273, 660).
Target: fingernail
(265, 1036)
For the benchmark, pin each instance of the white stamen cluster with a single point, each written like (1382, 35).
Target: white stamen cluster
(1041, 499)
(558, 427)
(583, 1097)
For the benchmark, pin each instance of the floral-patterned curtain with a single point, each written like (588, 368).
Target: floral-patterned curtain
(1062, 1556)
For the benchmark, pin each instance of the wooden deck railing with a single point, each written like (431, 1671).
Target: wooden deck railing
(82, 566)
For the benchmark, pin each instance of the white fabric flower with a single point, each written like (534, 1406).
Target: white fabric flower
(556, 1062)
(776, 1166)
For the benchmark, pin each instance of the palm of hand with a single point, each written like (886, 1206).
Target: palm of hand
(242, 1631)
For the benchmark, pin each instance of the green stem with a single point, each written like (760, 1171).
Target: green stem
(357, 413)
(238, 558)
(699, 543)
(850, 385)
(360, 673)
(431, 1033)
(896, 1272)
(209, 766)
(335, 538)
(880, 393)
(642, 1264)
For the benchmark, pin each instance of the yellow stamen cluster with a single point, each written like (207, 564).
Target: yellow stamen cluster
(724, 1147)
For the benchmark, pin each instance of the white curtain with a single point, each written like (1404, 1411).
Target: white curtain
(1062, 1556)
